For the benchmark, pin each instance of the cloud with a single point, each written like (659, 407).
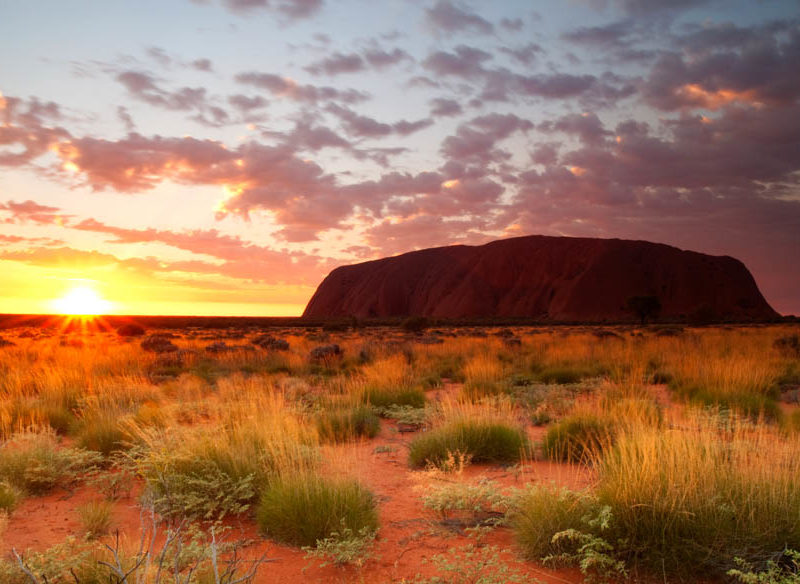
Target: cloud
(30, 211)
(500, 84)
(447, 17)
(23, 135)
(586, 126)
(525, 55)
(512, 24)
(445, 107)
(476, 140)
(143, 87)
(337, 64)
(202, 65)
(290, 89)
(365, 127)
(729, 65)
(380, 58)
(466, 62)
(288, 9)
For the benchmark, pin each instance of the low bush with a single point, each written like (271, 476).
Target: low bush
(578, 438)
(70, 561)
(198, 483)
(786, 570)
(343, 548)
(341, 425)
(482, 440)
(468, 504)
(34, 463)
(307, 508)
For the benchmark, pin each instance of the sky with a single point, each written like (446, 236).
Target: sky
(220, 157)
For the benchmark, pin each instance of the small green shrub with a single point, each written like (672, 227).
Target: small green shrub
(35, 464)
(404, 414)
(344, 425)
(181, 485)
(481, 440)
(95, 518)
(63, 563)
(471, 504)
(577, 438)
(474, 563)
(343, 547)
(785, 572)
(592, 553)
(306, 508)
(401, 396)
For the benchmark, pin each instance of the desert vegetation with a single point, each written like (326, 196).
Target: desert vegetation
(518, 453)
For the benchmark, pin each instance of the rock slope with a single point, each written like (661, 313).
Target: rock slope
(547, 278)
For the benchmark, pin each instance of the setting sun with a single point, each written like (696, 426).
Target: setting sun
(83, 301)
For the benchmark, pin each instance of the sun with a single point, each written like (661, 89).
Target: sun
(82, 301)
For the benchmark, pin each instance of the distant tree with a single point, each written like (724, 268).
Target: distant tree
(645, 307)
(415, 324)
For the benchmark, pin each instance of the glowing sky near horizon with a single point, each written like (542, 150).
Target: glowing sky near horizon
(222, 156)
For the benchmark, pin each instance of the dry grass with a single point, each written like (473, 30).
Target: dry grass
(693, 476)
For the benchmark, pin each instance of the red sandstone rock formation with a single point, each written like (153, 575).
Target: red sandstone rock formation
(547, 278)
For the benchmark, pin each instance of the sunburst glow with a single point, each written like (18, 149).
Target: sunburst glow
(82, 300)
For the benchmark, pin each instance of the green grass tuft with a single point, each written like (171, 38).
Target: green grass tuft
(306, 508)
(347, 424)
(578, 438)
(482, 440)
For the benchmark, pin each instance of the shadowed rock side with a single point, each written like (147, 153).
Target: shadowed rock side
(548, 278)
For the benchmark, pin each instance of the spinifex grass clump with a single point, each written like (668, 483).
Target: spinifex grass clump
(102, 431)
(483, 440)
(343, 424)
(306, 508)
(34, 463)
(579, 437)
(697, 498)
(730, 370)
(95, 518)
(484, 375)
(400, 396)
(390, 381)
(212, 472)
(543, 511)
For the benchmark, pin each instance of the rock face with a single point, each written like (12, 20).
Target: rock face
(547, 278)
